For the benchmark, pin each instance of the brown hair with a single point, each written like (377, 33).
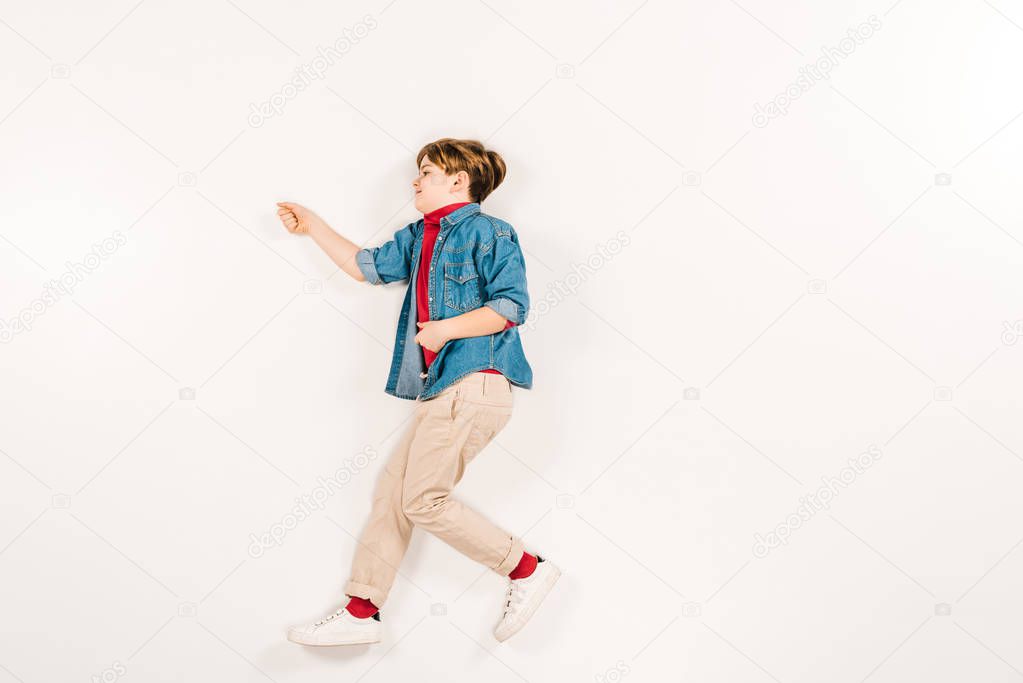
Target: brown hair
(485, 167)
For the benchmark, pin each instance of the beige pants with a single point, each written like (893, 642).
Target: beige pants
(414, 489)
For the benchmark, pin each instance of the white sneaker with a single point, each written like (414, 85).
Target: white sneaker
(339, 628)
(524, 597)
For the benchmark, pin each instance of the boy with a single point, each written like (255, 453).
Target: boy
(457, 354)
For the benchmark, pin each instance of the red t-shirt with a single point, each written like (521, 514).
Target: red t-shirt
(432, 229)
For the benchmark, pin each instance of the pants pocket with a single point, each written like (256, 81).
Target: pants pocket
(487, 424)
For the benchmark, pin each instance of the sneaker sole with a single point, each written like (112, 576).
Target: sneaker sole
(323, 642)
(543, 590)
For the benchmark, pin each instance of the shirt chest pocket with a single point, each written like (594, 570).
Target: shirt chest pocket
(461, 286)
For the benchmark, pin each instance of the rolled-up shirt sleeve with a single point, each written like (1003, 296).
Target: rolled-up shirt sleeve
(391, 261)
(503, 268)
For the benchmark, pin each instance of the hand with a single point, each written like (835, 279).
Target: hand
(432, 335)
(297, 219)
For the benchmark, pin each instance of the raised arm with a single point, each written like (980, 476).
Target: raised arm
(301, 221)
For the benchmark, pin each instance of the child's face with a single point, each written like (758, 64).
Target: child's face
(434, 189)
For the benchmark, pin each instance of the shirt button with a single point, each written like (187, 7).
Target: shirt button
(423, 374)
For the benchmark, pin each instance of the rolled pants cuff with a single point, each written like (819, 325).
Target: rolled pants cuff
(511, 560)
(367, 592)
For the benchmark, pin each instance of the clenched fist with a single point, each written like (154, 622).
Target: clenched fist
(297, 219)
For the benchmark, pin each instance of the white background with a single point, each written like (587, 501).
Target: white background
(791, 295)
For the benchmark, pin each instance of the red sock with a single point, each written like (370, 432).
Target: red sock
(524, 568)
(361, 608)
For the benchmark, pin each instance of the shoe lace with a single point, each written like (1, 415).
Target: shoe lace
(330, 617)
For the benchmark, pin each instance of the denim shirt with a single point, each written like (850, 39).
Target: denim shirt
(476, 262)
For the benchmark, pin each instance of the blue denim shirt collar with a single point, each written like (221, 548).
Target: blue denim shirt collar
(462, 212)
